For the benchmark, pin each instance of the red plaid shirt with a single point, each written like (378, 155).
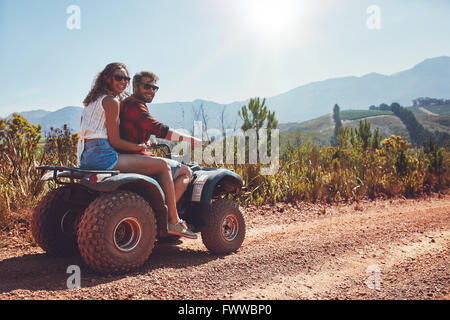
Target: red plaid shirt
(136, 123)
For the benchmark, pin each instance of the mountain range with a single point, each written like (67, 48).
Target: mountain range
(430, 78)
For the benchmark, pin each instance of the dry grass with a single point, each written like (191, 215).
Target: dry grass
(306, 172)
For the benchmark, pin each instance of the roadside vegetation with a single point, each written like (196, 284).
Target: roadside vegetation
(360, 164)
(357, 163)
(22, 149)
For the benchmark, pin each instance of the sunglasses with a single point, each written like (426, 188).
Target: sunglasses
(147, 86)
(119, 78)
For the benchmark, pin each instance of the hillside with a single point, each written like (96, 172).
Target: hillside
(387, 124)
(321, 129)
(430, 78)
(443, 109)
(178, 115)
(432, 123)
(67, 115)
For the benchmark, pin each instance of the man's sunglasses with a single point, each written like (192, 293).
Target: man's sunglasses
(148, 86)
(119, 78)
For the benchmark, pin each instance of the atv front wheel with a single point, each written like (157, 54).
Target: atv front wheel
(225, 229)
(117, 232)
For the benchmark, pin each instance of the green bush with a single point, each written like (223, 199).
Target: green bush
(350, 171)
(20, 154)
(358, 167)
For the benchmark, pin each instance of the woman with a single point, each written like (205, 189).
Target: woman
(100, 138)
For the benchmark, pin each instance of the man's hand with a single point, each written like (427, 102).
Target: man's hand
(195, 143)
(142, 147)
(173, 135)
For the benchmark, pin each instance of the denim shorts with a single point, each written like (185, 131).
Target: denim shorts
(98, 155)
(175, 166)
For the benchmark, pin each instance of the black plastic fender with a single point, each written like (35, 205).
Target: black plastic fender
(208, 183)
(145, 186)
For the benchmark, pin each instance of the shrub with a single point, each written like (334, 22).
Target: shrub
(20, 153)
(350, 171)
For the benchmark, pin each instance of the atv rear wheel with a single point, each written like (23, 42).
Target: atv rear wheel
(55, 219)
(117, 232)
(226, 227)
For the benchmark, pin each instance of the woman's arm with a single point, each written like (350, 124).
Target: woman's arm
(112, 111)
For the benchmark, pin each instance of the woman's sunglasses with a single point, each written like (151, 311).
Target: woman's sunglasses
(119, 78)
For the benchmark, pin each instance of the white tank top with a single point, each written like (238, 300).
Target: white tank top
(92, 125)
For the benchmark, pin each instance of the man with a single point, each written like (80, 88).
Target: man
(137, 125)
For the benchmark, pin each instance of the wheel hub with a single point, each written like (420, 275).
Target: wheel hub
(230, 227)
(127, 234)
(69, 221)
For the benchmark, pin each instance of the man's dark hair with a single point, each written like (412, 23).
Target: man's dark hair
(144, 74)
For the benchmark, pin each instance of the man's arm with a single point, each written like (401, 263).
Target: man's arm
(173, 135)
(139, 114)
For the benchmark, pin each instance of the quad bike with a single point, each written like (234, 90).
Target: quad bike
(113, 219)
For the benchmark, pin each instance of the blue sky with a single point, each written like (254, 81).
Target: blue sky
(218, 50)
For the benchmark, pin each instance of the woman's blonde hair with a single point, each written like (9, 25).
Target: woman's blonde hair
(101, 85)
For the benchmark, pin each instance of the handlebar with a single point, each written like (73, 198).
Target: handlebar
(167, 152)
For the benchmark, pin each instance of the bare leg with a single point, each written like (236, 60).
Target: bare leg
(145, 165)
(182, 181)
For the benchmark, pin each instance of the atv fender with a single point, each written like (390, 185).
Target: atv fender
(206, 185)
(145, 186)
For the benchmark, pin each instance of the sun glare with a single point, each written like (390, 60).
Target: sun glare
(271, 18)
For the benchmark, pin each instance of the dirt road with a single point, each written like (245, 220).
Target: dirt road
(428, 112)
(385, 249)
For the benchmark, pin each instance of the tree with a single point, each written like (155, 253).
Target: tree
(435, 157)
(256, 116)
(384, 106)
(376, 139)
(364, 134)
(222, 121)
(337, 125)
(259, 114)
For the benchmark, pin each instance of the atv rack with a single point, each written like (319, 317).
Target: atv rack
(72, 173)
